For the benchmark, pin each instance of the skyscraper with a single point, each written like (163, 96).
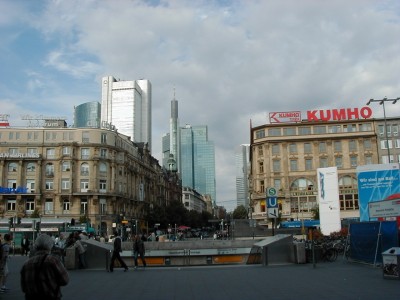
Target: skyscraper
(87, 115)
(242, 163)
(127, 106)
(198, 160)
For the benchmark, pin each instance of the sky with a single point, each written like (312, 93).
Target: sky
(228, 62)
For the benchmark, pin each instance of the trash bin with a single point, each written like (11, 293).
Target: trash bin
(299, 252)
(391, 263)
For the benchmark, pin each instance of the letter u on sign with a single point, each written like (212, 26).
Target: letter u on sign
(272, 202)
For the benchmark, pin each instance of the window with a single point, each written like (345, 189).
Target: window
(397, 143)
(292, 148)
(85, 137)
(49, 206)
(389, 130)
(385, 143)
(104, 138)
(347, 182)
(12, 167)
(323, 162)
(13, 151)
(365, 127)
(322, 147)
(319, 129)
(304, 130)
(84, 185)
(66, 205)
(337, 146)
(50, 153)
(385, 159)
(289, 131)
(85, 169)
(103, 169)
(84, 206)
(262, 186)
(85, 152)
(103, 153)
(260, 134)
(339, 162)
(274, 132)
(66, 150)
(301, 184)
(395, 129)
(307, 148)
(293, 165)
(277, 184)
(30, 205)
(261, 167)
(49, 169)
(352, 145)
(49, 185)
(275, 149)
(31, 151)
(30, 185)
(66, 166)
(368, 159)
(381, 130)
(276, 165)
(353, 161)
(103, 206)
(11, 135)
(11, 204)
(309, 164)
(65, 184)
(12, 183)
(334, 129)
(103, 185)
(367, 144)
(31, 167)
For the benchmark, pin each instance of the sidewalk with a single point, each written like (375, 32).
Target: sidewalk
(338, 280)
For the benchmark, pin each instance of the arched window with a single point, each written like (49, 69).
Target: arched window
(301, 184)
(31, 167)
(12, 167)
(85, 169)
(347, 182)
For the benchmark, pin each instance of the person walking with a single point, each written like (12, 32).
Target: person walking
(5, 250)
(81, 252)
(116, 253)
(138, 250)
(43, 274)
(25, 243)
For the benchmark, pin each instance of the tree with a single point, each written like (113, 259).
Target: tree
(240, 212)
(315, 212)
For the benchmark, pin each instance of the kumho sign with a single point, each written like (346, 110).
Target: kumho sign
(322, 115)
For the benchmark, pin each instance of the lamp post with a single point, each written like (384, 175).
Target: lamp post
(382, 102)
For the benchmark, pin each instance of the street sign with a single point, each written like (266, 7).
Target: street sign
(272, 213)
(273, 208)
(272, 202)
(271, 192)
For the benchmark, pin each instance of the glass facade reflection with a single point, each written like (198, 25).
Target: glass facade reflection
(87, 115)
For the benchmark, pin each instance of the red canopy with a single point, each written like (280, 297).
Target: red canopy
(183, 227)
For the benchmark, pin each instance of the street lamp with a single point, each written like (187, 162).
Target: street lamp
(382, 102)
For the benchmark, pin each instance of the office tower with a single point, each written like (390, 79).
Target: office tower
(127, 106)
(242, 164)
(198, 160)
(174, 134)
(87, 115)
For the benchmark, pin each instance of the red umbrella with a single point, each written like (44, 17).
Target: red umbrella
(183, 227)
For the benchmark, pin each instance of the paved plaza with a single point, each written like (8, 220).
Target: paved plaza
(338, 280)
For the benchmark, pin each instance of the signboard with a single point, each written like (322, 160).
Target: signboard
(273, 209)
(386, 208)
(376, 183)
(271, 192)
(285, 117)
(328, 199)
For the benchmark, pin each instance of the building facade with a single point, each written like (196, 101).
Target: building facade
(192, 200)
(127, 106)
(87, 115)
(286, 156)
(70, 173)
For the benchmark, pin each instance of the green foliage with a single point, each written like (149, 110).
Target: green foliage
(240, 212)
(315, 212)
(35, 213)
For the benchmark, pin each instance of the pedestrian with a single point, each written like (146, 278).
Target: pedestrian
(61, 244)
(25, 243)
(5, 250)
(43, 274)
(116, 253)
(138, 250)
(81, 252)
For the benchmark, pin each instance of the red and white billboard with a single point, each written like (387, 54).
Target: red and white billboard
(285, 117)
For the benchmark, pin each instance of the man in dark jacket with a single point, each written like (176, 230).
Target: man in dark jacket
(138, 249)
(116, 253)
(25, 245)
(43, 274)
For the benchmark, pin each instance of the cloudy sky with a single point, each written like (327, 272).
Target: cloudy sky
(229, 61)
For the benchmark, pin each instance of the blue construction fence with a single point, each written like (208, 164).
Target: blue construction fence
(369, 239)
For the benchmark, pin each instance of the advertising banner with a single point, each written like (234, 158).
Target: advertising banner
(376, 183)
(328, 199)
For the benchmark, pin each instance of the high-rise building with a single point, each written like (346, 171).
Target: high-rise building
(127, 106)
(87, 115)
(242, 164)
(197, 159)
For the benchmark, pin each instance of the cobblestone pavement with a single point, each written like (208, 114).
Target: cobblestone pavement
(338, 280)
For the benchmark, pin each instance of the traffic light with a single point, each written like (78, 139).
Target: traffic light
(11, 221)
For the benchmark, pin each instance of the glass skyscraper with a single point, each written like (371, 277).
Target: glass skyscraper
(127, 106)
(242, 164)
(87, 115)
